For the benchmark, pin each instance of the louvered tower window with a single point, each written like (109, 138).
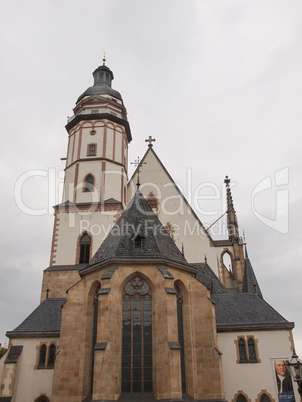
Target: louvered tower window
(84, 248)
(137, 336)
(91, 150)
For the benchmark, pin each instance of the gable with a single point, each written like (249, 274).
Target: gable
(173, 210)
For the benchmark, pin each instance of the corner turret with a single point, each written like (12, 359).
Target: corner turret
(231, 215)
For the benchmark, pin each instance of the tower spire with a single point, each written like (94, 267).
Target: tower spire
(231, 214)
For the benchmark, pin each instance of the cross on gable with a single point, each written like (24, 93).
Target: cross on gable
(150, 140)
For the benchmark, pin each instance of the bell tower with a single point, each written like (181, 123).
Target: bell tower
(97, 154)
(96, 172)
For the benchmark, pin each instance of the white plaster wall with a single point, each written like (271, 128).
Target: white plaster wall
(113, 181)
(85, 168)
(69, 183)
(30, 382)
(109, 141)
(118, 146)
(69, 151)
(252, 378)
(72, 225)
(87, 138)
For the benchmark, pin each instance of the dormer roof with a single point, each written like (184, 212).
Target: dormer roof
(138, 235)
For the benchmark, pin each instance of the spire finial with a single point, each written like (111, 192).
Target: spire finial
(231, 213)
(182, 249)
(205, 259)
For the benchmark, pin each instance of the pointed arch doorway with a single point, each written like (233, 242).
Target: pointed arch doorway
(137, 336)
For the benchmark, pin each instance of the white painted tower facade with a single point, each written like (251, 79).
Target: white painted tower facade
(96, 172)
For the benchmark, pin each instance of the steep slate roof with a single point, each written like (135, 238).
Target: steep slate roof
(75, 267)
(44, 320)
(250, 283)
(207, 277)
(245, 311)
(138, 219)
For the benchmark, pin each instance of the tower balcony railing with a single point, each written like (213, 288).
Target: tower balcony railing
(98, 111)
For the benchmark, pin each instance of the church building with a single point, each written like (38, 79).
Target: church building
(138, 302)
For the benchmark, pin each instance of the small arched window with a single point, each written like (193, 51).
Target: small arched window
(89, 183)
(242, 350)
(265, 398)
(51, 356)
(252, 351)
(241, 398)
(42, 356)
(85, 243)
(42, 398)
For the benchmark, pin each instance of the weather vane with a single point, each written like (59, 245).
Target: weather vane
(137, 163)
(104, 58)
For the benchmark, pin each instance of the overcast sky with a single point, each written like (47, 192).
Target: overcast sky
(219, 81)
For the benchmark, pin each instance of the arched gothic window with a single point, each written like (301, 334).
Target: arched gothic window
(89, 183)
(42, 356)
(252, 351)
(241, 398)
(51, 356)
(227, 261)
(242, 350)
(265, 398)
(181, 337)
(85, 243)
(137, 336)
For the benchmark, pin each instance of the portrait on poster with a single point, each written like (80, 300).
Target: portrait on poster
(284, 381)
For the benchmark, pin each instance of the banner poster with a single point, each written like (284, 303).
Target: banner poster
(284, 381)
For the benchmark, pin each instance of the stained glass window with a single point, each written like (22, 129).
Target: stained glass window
(241, 398)
(242, 349)
(137, 336)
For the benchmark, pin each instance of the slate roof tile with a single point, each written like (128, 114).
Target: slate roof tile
(45, 319)
(207, 277)
(243, 310)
